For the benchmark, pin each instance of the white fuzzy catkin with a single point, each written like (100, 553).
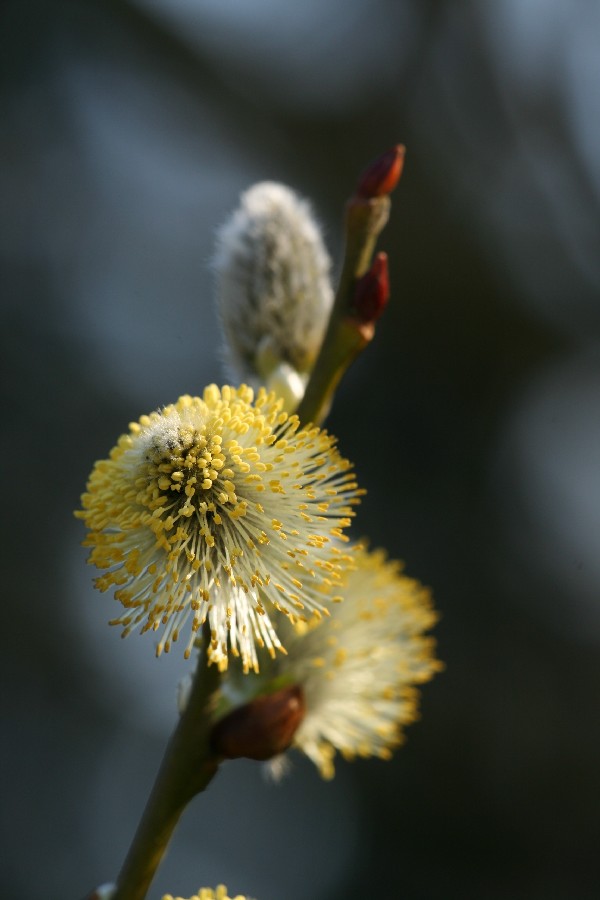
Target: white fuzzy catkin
(273, 283)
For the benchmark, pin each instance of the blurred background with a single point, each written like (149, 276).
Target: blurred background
(127, 131)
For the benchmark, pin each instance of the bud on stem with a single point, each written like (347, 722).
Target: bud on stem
(262, 728)
(372, 291)
(383, 174)
(363, 287)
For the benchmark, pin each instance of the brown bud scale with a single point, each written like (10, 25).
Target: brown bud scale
(262, 728)
(383, 174)
(372, 291)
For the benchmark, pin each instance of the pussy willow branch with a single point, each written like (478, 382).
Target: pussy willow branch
(188, 765)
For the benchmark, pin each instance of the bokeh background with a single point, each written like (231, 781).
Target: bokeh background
(127, 131)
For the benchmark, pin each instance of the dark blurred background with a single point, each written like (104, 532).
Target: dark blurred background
(127, 131)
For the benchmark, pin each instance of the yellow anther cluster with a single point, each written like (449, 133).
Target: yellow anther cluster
(214, 507)
(220, 893)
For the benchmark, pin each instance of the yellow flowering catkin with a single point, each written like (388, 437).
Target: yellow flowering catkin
(220, 508)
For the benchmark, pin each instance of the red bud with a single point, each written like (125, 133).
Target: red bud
(382, 176)
(262, 728)
(372, 292)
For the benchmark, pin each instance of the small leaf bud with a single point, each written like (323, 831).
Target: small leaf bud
(372, 291)
(383, 174)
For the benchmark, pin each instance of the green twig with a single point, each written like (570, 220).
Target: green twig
(346, 336)
(187, 768)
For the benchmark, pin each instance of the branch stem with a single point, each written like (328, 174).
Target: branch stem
(187, 768)
(346, 336)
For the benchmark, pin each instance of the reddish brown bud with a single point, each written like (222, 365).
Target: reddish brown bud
(262, 728)
(372, 291)
(383, 174)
